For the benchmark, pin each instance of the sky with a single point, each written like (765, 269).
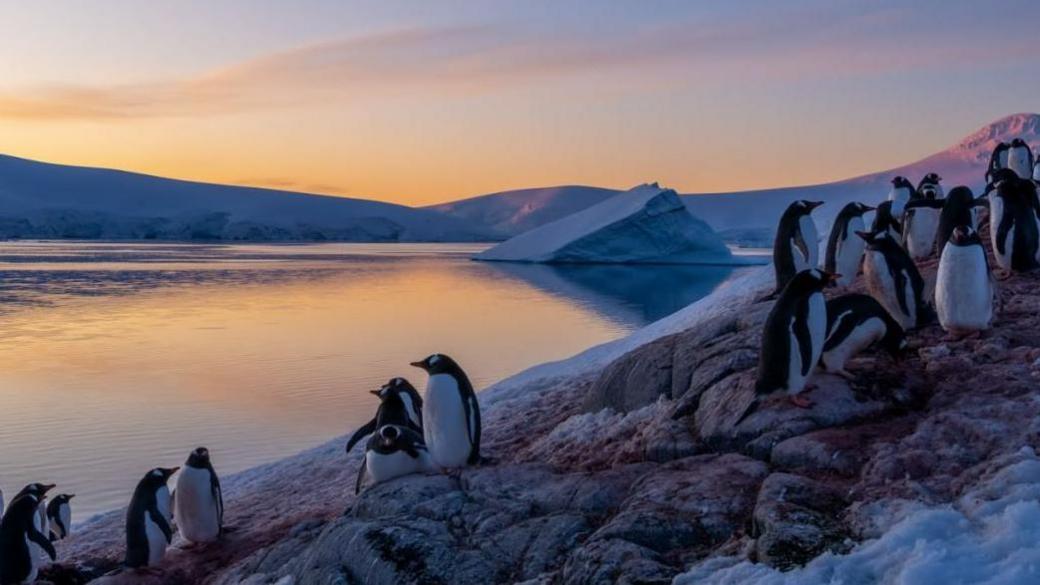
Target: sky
(423, 102)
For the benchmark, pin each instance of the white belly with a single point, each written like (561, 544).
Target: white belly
(812, 241)
(867, 333)
(43, 525)
(849, 253)
(963, 291)
(34, 561)
(444, 422)
(386, 467)
(197, 511)
(817, 332)
(65, 513)
(156, 538)
(920, 241)
(898, 197)
(996, 212)
(883, 288)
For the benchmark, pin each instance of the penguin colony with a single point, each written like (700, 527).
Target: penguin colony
(804, 332)
(433, 433)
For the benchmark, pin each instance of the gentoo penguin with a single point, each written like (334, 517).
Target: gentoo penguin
(59, 514)
(1020, 159)
(796, 247)
(901, 193)
(148, 530)
(854, 323)
(893, 279)
(964, 285)
(399, 404)
(997, 160)
(958, 209)
(920, 222)
(40, 522)
(929, 187)
(198, 504)
(451, 415)
(395, 450)
(1013, 224)
(18, 561)
(793, 337)
(885, 222)
(844, 247)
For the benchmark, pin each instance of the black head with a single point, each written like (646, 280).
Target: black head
(932, 178)
(39, 490)
(1018, 142)
(1001, 146)
(158, 477)
(394, 387)
(62, 498)
(199, 458)
(960, 195)
(437, 363)
(900, 182)
(862, 208)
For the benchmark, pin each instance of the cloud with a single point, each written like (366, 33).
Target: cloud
(435, 61)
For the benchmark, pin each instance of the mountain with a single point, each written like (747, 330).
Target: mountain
(42, 200)
(750, 216)
(645, 224)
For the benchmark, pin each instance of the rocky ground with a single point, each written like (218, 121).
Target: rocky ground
(635, 472)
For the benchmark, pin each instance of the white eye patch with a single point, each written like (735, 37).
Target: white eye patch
(435, 359)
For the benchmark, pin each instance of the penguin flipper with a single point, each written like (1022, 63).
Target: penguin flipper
(800, 327)
(161, 521)
(41, 540)
(367, 429)
(473, 411)
(218, 497)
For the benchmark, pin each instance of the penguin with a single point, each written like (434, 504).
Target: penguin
(59, 514)
(42, 524)
(958, 209)
(1014, 225)
(796, 247)
(148, 530)
(451, 414)
(997, 160)
(395, 450)
(920, 222)
(885, 222)
(400, 404)
(1036, 171)
(854, 323)
(929, 187)
(893, 279)
(1020, 159)
(198, 503)
(844, 248)
(964, 289)
(902, 192)
(793, 337)
(18, 530)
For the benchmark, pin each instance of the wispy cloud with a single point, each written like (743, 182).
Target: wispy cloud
(426, 61)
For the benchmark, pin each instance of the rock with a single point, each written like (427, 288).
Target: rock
(841, 451)
(795, 519)
(634, 380)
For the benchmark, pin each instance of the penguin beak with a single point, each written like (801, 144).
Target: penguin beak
(48, 487)
(171, 471)
(376, 392)
(70, 496)
(867, 208)
(421, 365)
(814, 204)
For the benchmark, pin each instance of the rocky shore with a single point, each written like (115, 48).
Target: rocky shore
(626, 465)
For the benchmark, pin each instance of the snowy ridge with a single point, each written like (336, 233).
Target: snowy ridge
(645, 224)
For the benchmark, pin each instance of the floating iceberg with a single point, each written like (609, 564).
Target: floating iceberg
(647, 224)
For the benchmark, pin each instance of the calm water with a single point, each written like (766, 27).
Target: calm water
(115, 358)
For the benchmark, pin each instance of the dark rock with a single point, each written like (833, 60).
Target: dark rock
(795, 520)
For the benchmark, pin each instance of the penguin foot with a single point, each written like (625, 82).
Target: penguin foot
(800, 401)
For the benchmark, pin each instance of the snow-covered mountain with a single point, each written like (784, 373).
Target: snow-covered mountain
(644, 224)
(43, 200)
(750, 216)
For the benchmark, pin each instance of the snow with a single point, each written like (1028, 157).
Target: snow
(989, 536)
(644, 224)
(42, 200)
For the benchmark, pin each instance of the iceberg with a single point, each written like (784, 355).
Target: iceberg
(647, 224)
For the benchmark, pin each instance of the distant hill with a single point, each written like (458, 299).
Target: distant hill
(42, 200)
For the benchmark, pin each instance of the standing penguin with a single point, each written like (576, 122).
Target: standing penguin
(854, 323)
(148, 530)
(198, 503)
(885, 222)
(399, 404)
(902, 192)
(59, 512)
(18, 562)
(796, 247)
(930, 187)
(451, 415)
(920, 222)
(1020, 159)
(1013, 224)
(40, 522)
(958, 209)
(844, 248)
(997, 160)
(395, 450)
(964, 285)
(793, 337)
(894, 281)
